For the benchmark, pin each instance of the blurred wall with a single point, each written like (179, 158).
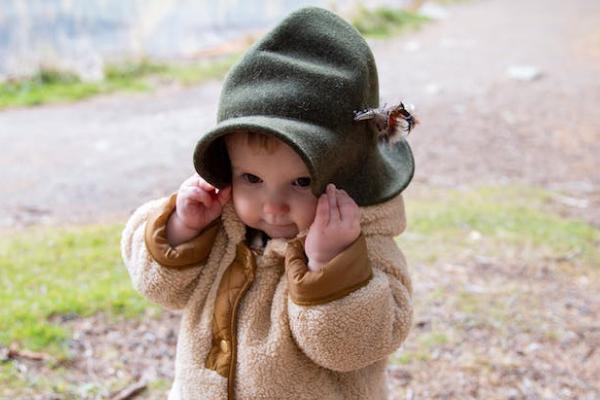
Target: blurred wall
(80, 35)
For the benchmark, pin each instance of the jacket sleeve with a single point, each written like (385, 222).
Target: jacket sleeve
(356, 310)
(166, 275)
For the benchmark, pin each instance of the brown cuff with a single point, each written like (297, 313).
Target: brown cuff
(184, 255)
(347, 272)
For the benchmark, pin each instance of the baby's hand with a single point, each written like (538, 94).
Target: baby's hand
(198, 204)
(336, 226)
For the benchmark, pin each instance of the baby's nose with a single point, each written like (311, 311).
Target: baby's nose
(275, 207)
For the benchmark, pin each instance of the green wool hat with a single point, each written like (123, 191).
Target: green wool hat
(304, 83)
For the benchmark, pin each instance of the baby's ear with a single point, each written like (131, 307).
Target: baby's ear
(224, 195)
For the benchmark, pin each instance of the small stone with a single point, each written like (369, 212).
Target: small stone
(532, 347)
(412, 45)
(475, 236)
(432, 88)
(523, 72)
(4, 354)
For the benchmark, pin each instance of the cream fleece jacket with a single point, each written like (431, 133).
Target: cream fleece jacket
(335, 350)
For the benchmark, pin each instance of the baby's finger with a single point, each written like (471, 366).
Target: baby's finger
(202, 184)
(343, 192)
(191, 181)
(348, 208)
(322, 212)
(195, 194)
(334, 212)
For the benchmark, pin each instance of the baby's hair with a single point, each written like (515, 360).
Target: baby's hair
(257, 140)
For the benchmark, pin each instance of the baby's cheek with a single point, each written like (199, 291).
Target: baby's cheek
(245, 209)
(307, 214)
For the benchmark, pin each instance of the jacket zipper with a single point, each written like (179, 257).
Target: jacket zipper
(233, 326)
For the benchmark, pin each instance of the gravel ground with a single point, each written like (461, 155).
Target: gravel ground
(98, 160)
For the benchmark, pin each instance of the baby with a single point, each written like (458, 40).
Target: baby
(271, 193)
(280, 251)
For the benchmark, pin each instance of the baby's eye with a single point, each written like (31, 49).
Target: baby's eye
(302, 182)
(251, 178)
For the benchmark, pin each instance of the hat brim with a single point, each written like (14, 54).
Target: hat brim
(382, 174)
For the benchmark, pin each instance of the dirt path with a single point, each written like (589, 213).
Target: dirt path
(101, 158)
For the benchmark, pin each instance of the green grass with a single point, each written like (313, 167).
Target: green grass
(50, 86)
(384, 21)
(497, 221)
(186, 74)
(20, 385)
(58, 383)
(48, 273)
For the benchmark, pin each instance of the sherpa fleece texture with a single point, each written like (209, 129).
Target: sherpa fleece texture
(336, 350)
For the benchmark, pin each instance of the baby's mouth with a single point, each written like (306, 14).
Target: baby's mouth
(278, 225)
(281, 230)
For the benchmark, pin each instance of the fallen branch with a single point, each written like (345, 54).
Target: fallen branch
(14, 352)
(130, 391)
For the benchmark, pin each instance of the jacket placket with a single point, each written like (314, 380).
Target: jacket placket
(234, 284)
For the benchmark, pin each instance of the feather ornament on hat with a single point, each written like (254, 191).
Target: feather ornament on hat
(390, 124)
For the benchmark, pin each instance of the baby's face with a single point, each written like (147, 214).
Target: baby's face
(271, 189)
